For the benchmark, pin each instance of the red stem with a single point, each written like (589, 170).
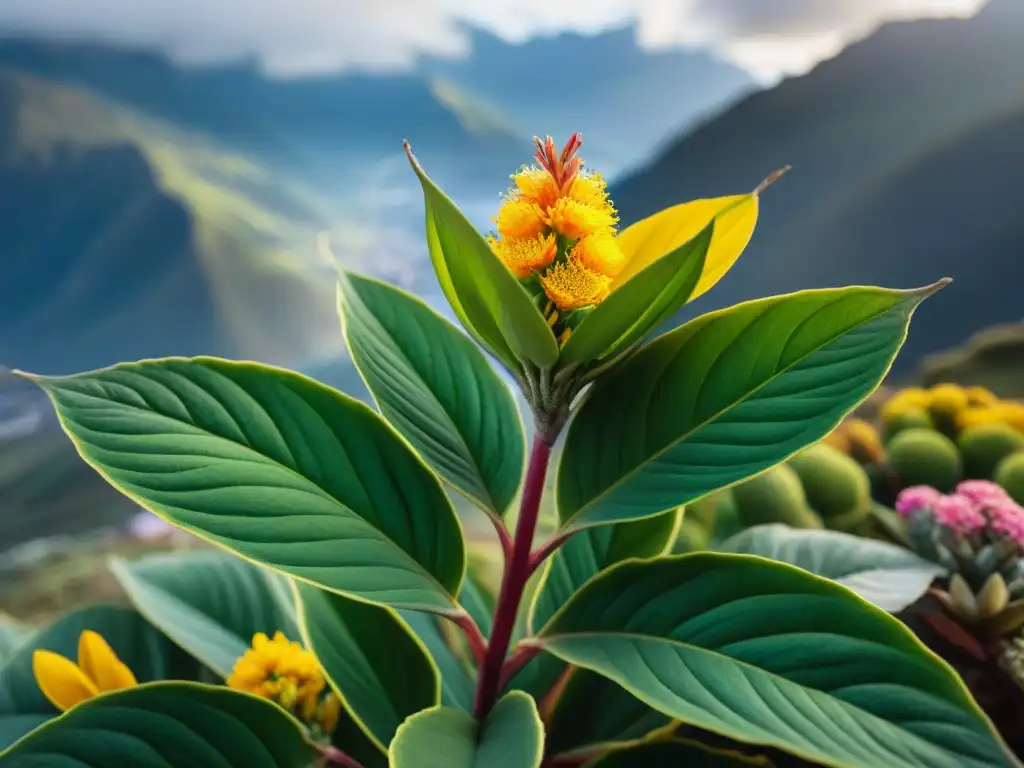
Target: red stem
(550, 547)
(475, 638)
(503, 536)
(520, 657)
(513, 581)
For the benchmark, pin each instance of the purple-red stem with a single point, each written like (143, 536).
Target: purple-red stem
(550, 547)
(513, 580)
(503, 536)
(520, 657)
(475, 638)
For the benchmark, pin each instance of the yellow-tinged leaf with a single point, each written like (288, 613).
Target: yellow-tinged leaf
(648, 240)
(61, 680)
(101, 665)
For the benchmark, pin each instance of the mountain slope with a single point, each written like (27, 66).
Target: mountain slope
(906, 155)
(318, 127)
(123, 239)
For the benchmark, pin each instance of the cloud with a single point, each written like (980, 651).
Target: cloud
(291, 37)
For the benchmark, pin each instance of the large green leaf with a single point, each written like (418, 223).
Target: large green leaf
(167, 725)
(145, 650)
(590, 710)
(592, 550)
(436, 388)
(595, 714)
(679, 752)
(891, 577)
(485, 296)
(457, 687)
(273, 466)
(511, 737)
(372, 660)
(640, 305)
(724, 397)
(210, 603)
(769, 654)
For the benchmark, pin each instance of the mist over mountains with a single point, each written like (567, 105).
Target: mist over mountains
(907, 162)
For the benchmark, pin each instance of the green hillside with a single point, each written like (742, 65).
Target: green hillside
(123, 237)
(906, 156)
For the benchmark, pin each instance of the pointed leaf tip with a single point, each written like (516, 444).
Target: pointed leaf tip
(772, 178)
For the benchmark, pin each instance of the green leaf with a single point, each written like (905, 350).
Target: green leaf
(273, 466)
(766, 653)
(12, 635)
(512, 737)
(640, 305)
(375, 664)
(145, 650)
(595, 714)
(478, 602)
(485, 296)
(209, 603)
(167, 725)
(436, 388)
(13, 727)
(725, 397)
(891, 577)
(590, 551)
(457, 687)
(681, 752)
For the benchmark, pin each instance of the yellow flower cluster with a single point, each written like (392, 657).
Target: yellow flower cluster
(558, 223)
(963, 406)
(288, 674)
(859, 439)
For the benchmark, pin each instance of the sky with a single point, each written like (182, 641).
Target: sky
(290, 38)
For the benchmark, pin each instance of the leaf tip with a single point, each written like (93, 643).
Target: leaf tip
(772, 178)
(929, 290)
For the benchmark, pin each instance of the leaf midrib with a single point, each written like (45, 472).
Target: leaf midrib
(324, 493)
(763, 671)
(567, 525)
(492, 509)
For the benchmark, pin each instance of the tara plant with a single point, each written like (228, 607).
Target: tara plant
(598, 649)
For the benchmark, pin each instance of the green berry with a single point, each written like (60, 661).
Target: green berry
(835, 484)
(913, 419)
(1010, 475)
(983, 446)
(925, 457)
(776, 496)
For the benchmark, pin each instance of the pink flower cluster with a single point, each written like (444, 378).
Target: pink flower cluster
(975, 505)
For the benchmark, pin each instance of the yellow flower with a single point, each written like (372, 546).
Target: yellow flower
(556, 199)
(947, 399)
(980, 396)
(523, 256)
(537, 186)
(285, 672)
(1011, 412)
(599, 253)
(905, 401)
(98, 670)
(972, 416)
(570, 285)
(519, 218)
(591, 189)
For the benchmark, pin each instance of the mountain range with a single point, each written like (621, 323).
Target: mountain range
(155, 209)
(906, 155)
